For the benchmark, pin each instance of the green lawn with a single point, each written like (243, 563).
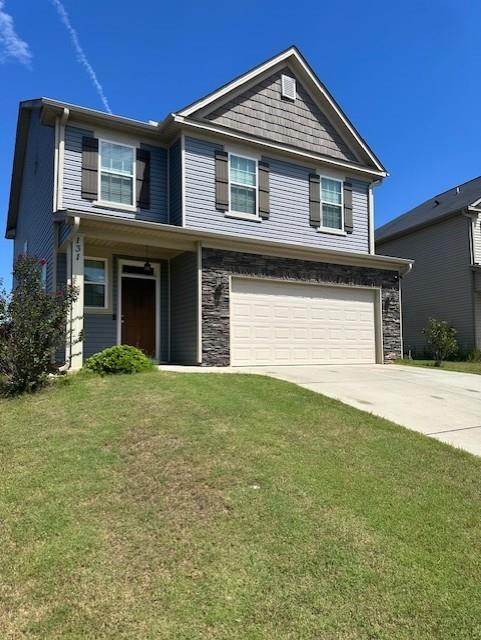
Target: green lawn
(463, 367)
(186, 506)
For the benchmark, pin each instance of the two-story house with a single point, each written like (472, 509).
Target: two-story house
(239, 230)
(443, 236)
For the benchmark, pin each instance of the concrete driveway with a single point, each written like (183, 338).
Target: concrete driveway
(442, 404)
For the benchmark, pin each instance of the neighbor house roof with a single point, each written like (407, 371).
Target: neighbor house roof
(463, 197)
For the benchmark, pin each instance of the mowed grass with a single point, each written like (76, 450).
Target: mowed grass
(187, 506)
(463, 367)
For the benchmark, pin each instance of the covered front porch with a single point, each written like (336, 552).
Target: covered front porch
(135, 287)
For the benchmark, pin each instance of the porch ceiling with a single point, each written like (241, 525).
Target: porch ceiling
(114, 235)
(131, 248)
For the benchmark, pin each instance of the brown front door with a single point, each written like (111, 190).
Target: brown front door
(138, 314)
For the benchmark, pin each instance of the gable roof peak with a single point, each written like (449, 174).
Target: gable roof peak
(301, 68)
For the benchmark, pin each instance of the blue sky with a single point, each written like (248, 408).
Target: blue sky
(406, 73)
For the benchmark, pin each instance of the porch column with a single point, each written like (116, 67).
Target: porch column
(75, 323)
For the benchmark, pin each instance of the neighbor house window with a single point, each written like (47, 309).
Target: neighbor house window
(331, 203)
(117, 163)
(95, 283)
(243, 184)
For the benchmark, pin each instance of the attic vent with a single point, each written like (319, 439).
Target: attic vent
(288, 87)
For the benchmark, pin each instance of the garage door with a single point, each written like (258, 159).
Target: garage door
(289, 323)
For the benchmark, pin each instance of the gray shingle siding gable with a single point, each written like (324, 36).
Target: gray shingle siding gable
(72, 198)
(440, 284)
(175, 183)
(261, 111)
(289, 204)
(35, 224)
(184, 308)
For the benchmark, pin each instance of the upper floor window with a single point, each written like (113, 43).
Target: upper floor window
(95, 283)
(243, 184)
(117, 179)
(331, 203)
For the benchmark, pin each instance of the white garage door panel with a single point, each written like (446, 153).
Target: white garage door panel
(288, 323)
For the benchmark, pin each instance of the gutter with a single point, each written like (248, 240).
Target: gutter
(244, 243)
(292, 151)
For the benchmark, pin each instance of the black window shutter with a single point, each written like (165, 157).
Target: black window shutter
(221, 180)
(143, 178)
(314, 200)
(263, 171)
(90, 168)
(348, 224)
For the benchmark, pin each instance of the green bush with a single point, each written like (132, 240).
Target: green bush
(120, 359)
(474, 356)
(33, 324)
(441, 337)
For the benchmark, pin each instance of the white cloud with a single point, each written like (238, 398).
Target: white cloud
(11, 46)
(81, 57)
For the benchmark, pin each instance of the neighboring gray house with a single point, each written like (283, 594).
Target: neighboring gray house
(443, 236)
(237, 230)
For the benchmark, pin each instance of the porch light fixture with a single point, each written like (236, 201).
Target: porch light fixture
(148, 269)
(147, 266)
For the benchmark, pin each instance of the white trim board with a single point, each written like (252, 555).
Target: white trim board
(290, 55)
(156, 266)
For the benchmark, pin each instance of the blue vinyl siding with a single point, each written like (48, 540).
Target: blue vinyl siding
(63, 232)
(100, 329)
(175, 183)
(35, 224)
(184, 308)
(100, 332)
(289, 204)
(72, 197)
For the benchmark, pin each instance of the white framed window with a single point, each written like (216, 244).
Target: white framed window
(95, 283)
(243, 185)
(332, 203)
(116, 173)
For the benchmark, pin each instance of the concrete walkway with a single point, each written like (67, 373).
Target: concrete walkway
(441, 404)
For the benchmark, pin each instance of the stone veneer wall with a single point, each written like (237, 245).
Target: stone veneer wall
(218, 265)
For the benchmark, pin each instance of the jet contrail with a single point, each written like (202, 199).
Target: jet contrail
(82, 58)
(11, 45)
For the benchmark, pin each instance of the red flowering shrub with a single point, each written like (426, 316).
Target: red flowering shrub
(32, 325)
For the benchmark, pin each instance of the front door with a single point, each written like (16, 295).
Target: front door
(138, 314)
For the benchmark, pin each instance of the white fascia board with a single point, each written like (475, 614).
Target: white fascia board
(310, 157)
(247, 77)
(247, 244)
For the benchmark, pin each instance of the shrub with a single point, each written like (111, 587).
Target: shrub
(441, 337)
(33, 324)
(120, 359)
(474, 356)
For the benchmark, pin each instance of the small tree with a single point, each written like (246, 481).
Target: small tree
(32, 325)
(441, 337)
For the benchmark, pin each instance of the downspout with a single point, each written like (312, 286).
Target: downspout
(57, 186)
(406, 269)
(61, 155)
(68, 359)
(467, 214)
